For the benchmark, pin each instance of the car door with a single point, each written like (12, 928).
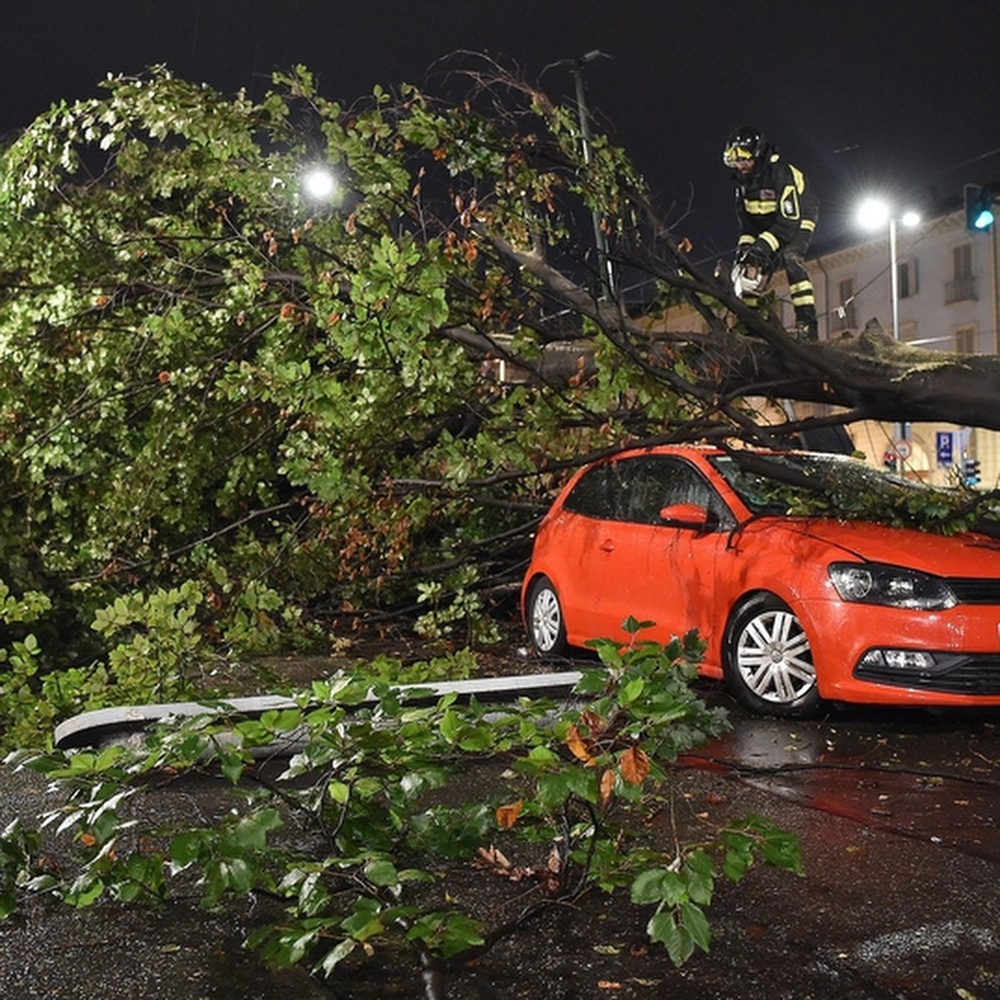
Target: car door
(589, 530)
(668, 573)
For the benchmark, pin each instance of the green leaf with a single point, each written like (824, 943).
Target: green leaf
(699, 877)
(129, 892)
(633, 625)
(631, 690)
(449, 933)
(236, 875)
(250, 833)
(782, 850)
(339, 792)
(86, 890)
(381, 873)
(676, 938)
(696, 924)
(365, 919)
(648, 886)
(736, 864)
(336, 955)
(592, 682)
(281, 720)
(185, 848)
(231, 765)
(451, 726)
(554, 789)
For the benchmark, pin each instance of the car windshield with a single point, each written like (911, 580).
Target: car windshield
(809, 483)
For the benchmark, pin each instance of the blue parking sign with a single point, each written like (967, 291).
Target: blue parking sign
(945, 449)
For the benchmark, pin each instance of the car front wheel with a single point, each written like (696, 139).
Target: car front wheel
(545, 619)
(768, 660)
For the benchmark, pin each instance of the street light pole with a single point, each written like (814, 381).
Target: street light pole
(894, 296)
(605, 271)
(874, 214)
(894, 278)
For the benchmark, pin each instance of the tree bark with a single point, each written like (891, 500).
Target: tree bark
(877, 378)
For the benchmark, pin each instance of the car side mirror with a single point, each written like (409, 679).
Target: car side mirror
(688, 515)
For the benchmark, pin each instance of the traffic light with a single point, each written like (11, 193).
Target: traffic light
(978, 208)
(970, 471)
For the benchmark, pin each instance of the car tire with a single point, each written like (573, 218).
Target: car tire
(768, 660)
(544, 617)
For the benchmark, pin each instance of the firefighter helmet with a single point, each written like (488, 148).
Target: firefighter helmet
(744, 143)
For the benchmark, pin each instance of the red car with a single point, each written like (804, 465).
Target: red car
(794, 609)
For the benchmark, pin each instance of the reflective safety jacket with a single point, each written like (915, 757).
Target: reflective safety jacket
(774, 204)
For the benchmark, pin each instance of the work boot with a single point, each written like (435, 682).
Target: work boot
(806, 326)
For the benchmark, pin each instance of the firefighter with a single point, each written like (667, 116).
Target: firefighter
(777, 213)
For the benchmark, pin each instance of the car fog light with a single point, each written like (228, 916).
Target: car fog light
(899, 659)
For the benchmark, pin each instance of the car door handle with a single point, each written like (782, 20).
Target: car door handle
(607, 545)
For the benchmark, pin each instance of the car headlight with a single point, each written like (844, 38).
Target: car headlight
(877, 583)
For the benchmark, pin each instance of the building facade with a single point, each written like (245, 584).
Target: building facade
(948, 299)
(948, 295)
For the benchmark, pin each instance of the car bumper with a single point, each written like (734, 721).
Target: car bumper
(973, 674)
(883, 655)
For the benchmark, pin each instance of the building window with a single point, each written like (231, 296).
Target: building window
(965, 340)
(843, 315)
(906, 273)
(962, 287)
(962, 260)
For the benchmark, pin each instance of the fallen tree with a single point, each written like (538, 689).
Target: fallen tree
(234, 410)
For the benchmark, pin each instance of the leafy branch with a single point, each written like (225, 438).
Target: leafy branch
(384, 778)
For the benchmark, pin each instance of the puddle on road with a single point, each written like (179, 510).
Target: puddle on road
(928, 785)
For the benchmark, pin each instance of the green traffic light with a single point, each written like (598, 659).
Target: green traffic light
(979, 215)
(983, 219)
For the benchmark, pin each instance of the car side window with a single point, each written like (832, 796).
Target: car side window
(596, 493)
(637, 489)
(657, 482)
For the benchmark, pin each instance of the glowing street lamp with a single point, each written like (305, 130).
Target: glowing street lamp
(319, 183)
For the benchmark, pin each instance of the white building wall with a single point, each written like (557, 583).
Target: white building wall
(926, 316)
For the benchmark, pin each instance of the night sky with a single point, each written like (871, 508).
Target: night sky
(899, 97)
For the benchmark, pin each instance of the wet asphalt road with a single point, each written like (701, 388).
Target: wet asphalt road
(897, 813)
(932, 777)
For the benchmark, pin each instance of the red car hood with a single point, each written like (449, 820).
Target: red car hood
(965, 555)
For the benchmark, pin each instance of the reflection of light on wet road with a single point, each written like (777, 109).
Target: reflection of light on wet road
(911, 777)
(925, 940)
(764, 743)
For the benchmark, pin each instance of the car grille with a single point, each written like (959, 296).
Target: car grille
(958, 675)
(970, 590)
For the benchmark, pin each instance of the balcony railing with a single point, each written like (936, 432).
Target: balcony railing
(960, 289)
